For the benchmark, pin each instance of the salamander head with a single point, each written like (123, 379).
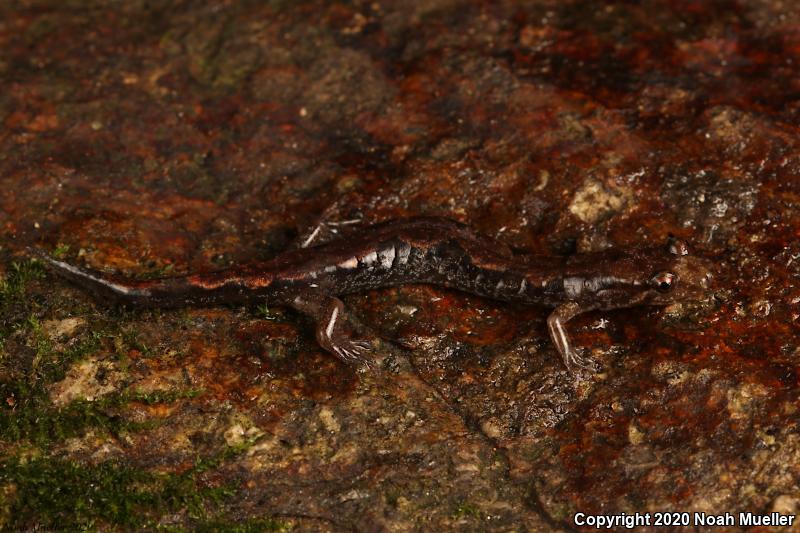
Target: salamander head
(664, 276)
(654, 276)
(682, 278)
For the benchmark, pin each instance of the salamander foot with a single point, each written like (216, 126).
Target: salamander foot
(353, 352)
(575, 362)
(328, 313)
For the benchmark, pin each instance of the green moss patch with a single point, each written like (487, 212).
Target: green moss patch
(41, 423)
(26, 410)
(12, 291)
(12, 286)
(65, 495)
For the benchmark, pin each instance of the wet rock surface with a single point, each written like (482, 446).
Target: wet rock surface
(159, 138)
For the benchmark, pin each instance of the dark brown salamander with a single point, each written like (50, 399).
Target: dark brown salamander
(430, 250)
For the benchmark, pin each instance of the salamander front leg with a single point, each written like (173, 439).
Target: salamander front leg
(556, 324)
(328, 313)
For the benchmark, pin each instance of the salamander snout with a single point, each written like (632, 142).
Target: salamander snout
(689, 278)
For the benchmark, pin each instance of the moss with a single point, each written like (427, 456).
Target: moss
(61, 494)
(466, 509)
(28, 413)
(12, 290)
(60, 250)
(41, 342)
(130, 339)
(12, 286)
(39, 422)
(159, 396)
(41, 491)
(264, 312)
(158, 271)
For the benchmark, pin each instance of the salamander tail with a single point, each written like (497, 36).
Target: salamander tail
(101, 285)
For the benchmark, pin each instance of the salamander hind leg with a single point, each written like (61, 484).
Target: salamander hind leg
(328, 313)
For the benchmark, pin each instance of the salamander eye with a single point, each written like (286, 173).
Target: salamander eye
(663, 281)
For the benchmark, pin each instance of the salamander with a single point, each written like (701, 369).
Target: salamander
(422, 250)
